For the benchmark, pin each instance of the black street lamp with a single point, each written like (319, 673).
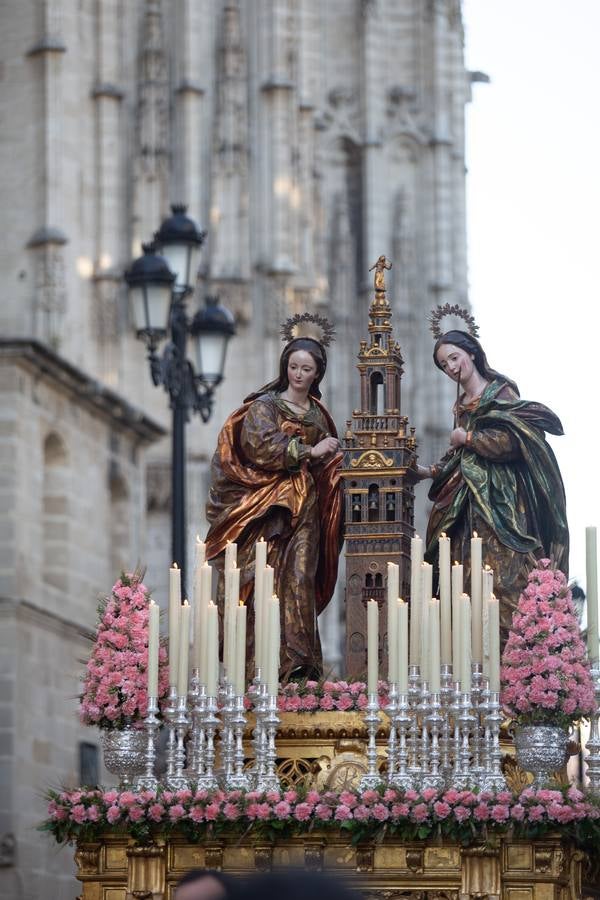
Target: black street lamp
(159, 283)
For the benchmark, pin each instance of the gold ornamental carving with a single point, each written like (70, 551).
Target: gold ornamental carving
(87, 858)
(365, 858)
(372, 459)
(342, 773)
(313, 855)
(263, 857)
(481, 873)
(414, 860)
(390, 869)
(213, 856)
(146, 871)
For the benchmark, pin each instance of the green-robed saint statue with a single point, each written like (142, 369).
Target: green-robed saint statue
(500, 477)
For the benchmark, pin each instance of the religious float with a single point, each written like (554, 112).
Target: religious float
(408, 787)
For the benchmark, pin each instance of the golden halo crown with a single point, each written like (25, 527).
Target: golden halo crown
(440, 312)
(308, 325)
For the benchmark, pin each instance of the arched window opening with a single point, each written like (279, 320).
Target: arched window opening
(376, 397)
(373, 503)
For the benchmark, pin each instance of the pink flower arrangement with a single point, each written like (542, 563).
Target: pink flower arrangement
(115, 688)
(462, 815)
(325, 695)
(545, 671)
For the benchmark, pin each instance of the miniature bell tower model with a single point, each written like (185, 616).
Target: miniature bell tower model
(379, 473)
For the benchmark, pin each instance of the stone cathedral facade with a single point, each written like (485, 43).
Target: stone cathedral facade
(308, 137)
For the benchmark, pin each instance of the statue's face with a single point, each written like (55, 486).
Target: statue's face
(301, 371)
(455, 362)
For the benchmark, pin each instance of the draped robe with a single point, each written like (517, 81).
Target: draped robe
(504, 484)
(264, 484)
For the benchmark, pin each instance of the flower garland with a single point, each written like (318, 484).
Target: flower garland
(315, 696)
(465, 816)
(115, 688)
(545, 672)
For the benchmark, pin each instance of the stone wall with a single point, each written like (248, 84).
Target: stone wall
(72, 504)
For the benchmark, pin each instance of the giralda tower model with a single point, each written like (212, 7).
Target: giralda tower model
(379, 473)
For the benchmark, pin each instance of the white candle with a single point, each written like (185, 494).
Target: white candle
(232, 597)
(445, 600)
(494, 642)
(372, 646)
(487, 590)
(199, 554)
(230, 556)
(260, 553)
(426, 592)
(416, 558)
(211, 665)
(174, 612)
(434, 645)
(202, 596)
(273, 645)
(240, 650)
(153, 648)
(476, 583)
(393, 591)
(260, 549)
(591, 590)
(457, 589)
(402, 641)
(184, 649)
(268, 590)
(465, 644)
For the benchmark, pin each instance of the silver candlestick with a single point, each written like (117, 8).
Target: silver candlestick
(492, 779)
(266, 779)
(148, 781)
(422, 711)
(464, 721)
(392, 710)
(414, 692)
(227, 735)
(195, 748)
(593, 744)
(170, 714)
(179, 722)
(433, 718)
(400, 776)
(446, 701)
(259, 736)
(476, 742)
(240, 780)
(209, 722)
(372, 778)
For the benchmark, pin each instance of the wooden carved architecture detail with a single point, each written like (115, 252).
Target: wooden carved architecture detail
(379, 472)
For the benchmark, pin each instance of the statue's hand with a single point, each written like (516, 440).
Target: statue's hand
(424, 471)
(326, 447)
(458, 438)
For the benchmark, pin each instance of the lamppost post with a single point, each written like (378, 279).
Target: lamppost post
(159, 285)
(179, 404)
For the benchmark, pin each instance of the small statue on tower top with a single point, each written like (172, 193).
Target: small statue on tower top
(380, 266)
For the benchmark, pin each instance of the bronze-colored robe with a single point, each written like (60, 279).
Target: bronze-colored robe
(505, 485)
(263, 484)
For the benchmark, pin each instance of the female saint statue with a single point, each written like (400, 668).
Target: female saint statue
(275, 475)
(500, 477)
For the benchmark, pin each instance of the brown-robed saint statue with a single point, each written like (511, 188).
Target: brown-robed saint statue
(500, 477)
(275, 475)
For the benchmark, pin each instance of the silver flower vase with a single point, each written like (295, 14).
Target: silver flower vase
(124, 753)
(541, 750)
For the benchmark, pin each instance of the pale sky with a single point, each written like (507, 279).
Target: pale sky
(533, 155)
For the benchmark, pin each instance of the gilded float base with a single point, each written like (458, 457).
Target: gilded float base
(546, 869)
(327, 750)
